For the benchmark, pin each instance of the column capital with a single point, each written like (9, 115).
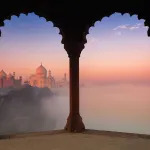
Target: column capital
(73, 36)
(73, 48)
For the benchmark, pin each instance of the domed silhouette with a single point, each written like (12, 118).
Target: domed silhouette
(40, 79)
(2, 74)
(41, 71)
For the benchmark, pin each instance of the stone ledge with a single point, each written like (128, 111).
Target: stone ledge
(87, 131)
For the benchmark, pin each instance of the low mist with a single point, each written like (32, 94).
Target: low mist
(116, 107)
(32, 109)
(119, 107)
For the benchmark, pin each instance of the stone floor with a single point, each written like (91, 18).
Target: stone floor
(90, 140)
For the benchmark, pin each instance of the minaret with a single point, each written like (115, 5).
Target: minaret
(14, 74)
(49, 74)
(65, 77)
(20, 78)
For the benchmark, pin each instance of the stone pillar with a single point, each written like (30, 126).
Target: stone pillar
(74, 121)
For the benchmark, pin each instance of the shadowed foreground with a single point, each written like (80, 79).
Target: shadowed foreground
(89, 140)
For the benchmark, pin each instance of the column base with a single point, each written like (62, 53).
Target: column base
(74, 123)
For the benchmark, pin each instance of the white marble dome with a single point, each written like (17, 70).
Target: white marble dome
(41, 71)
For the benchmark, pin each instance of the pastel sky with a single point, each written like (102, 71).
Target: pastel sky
(118, 49)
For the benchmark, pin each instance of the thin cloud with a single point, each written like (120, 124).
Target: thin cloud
(129, 27)
(121, 27)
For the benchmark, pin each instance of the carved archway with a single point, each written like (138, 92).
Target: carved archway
(74, 18)
(99, 53)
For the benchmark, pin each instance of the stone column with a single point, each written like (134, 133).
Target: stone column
(74, 121)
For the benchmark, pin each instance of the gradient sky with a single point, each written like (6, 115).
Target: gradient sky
(118, 49)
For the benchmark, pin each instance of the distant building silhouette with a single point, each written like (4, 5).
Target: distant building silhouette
(63, 82)
(9, 80)
(41, 79)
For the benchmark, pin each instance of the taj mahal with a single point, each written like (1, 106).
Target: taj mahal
(43, 78)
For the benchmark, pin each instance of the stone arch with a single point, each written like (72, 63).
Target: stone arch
(74, 19)
(91, 24)
(45, 22)
(101, 43)
(18, 15)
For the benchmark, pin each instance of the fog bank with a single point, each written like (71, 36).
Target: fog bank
(122, 107)
(30, 109)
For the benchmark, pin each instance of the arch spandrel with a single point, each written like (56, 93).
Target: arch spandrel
(76, 17)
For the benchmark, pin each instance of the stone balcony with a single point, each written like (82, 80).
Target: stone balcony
(88, 140)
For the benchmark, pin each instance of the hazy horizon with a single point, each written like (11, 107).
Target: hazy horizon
(117, 49)
(114, 74)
